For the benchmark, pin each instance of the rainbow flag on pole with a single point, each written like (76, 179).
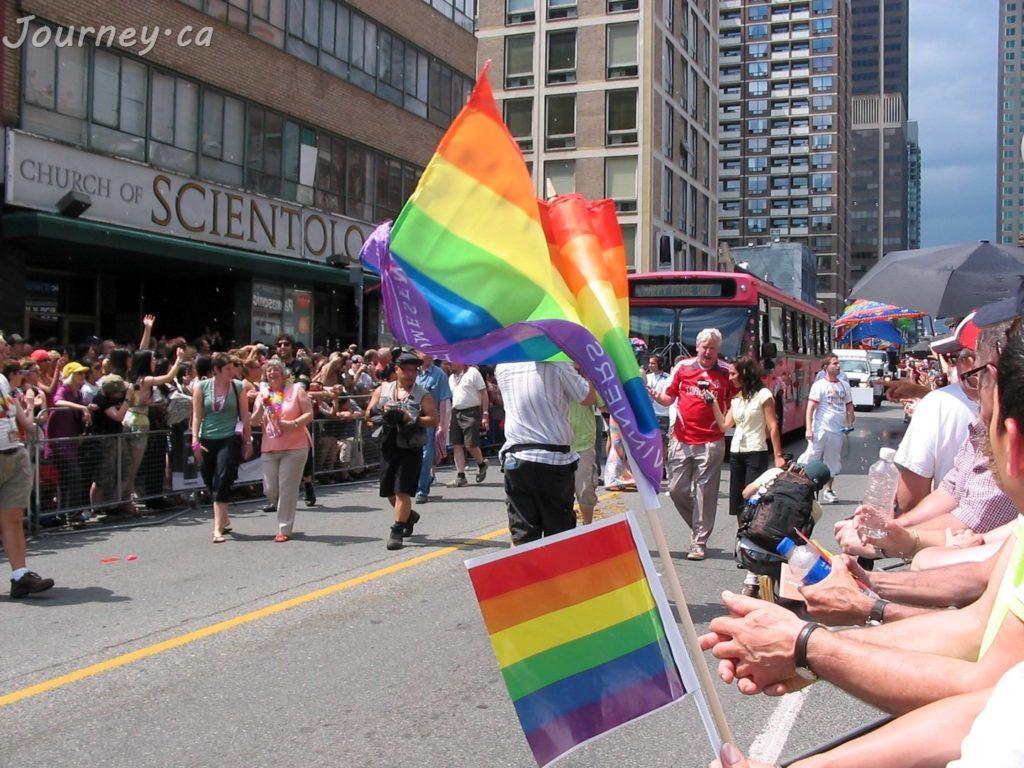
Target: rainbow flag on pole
(476, 269)
(583, 634)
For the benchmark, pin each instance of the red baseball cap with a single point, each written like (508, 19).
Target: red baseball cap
(40, 355)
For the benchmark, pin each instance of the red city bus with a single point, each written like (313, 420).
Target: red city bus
(786, 335)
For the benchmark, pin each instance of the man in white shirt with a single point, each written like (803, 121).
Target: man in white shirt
(537, 457)
(469, 418)
(829, 410)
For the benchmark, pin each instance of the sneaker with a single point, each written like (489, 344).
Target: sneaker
(414, 517)
(310, 495)
(458, 482)
(421, 498)
(696, 552)
(395, 536)
(269, 507)
(829, 497)
(481, 472)
(29, 584)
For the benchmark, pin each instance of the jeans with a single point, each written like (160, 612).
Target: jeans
(423, 487)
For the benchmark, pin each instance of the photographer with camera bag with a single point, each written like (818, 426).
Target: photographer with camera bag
(401, 411)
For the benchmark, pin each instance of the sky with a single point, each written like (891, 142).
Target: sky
(953, 89)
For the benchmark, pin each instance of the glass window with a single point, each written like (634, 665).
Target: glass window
(330, 173)
(360, 183)
(267, 20)
(757, 185)
(822, 44)
(821, 122)
(821, 182)
(560, 127)
(757, 32)
(757, 88)
(119, 105)
(757, 69)
(620, 182)
(621, 117)
(389, 188)
(821, 141)
(519, 119)
(55, 90)
(303, 29)
(520, 11)
(822, 63)
(821, 6)
(622, 46)
(561, 174)
(562, 57)
(822, 83)
(519, 61)
(562, 9)
(264, 141)
(173, 122)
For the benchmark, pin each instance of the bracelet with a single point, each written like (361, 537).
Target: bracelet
(906, 556)
(196, 444)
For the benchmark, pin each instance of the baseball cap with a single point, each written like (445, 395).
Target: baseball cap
(112, 383)
(408, 358)
(40, 355)
(72, 368)
(818, 473)
(964, 337)
(1001, 311)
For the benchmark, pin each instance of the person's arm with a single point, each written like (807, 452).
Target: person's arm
(428, 412)
(912, 488)
(851, 416)
(167, 378)
(197, 417)
(51, 387)
(936, 503)
(727, 421)
(83, 409)
(257, 411)
(485, 408)
(812, 406)
(838, 601)
(774, 434)
(147, 331)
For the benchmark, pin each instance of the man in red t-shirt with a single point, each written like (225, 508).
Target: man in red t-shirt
(697, 447)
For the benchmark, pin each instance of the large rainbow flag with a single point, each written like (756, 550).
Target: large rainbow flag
(582, 632)
(477, 269)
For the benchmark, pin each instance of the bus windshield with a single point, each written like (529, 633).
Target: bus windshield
(672, 331)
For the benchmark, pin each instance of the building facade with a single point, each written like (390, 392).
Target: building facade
(616, 98)
(784, 121)
(879, 51)
(217, 164)
(1010, 176)
(913, 187)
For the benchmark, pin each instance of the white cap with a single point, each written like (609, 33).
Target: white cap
(887, 454)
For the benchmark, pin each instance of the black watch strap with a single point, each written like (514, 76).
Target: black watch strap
(800, 653)
(877, 615)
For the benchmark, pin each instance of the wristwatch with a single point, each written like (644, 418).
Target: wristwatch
(877, 615)
(800, 653)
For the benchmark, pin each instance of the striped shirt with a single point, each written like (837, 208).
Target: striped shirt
(537, 397)
(981, 504)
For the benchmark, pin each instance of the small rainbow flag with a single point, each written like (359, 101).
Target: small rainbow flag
(582, 632)
(477, 269)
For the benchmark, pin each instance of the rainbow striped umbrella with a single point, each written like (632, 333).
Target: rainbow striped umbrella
(863, 311)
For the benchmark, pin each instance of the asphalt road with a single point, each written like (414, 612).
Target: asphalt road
(158, 648)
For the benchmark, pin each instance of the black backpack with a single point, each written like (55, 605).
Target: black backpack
(784, 508)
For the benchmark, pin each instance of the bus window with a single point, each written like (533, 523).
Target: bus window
(775, 332)
(803, 333)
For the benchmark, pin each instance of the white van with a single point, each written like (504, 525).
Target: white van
(868, 391)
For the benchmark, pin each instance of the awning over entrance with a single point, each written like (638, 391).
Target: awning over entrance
(109, 237)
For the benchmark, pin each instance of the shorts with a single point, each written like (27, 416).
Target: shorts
(400, 471)
(465, 427)
(15, 479)
(136, 427)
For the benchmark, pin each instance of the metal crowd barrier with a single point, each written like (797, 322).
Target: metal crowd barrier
(75, 477)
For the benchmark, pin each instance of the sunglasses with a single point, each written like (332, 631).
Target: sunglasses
(973, 377)
(284, 343)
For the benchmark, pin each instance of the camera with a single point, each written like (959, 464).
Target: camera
(704, 385)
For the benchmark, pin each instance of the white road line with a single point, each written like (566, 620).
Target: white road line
(772, 740)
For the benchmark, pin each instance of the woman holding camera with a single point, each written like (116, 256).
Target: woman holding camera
(285, 410)
(405, 411)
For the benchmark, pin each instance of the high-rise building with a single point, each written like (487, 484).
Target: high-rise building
(913, 187)
(616, 98)
(1010, 177)
(784, 96)
(879, 53)
(217, 164)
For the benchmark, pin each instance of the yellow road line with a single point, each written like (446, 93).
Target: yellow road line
(223, 626)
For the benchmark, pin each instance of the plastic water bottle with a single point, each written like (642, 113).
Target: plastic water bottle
(880, 495)
(804, 562)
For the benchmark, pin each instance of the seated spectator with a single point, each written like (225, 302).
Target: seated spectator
(936, 431)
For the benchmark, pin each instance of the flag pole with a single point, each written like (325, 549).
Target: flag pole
(649, 497)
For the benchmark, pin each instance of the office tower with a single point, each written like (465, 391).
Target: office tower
(913, 187)
(1010, 183)
(616, 98)
(784, 96)
(878, 161)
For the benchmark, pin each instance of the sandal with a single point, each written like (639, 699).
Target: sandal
(281, 538)
(218, 537)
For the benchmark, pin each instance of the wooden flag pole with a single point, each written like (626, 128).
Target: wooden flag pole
(649, 496)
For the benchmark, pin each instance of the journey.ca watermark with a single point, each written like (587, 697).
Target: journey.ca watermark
(140, 40)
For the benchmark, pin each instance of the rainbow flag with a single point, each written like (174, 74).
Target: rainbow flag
(476, 269)
(582, 632)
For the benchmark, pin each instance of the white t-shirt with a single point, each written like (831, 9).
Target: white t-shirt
(936, 432)
(466, 388)
(831, 398)
(996, 739)
(658, 382)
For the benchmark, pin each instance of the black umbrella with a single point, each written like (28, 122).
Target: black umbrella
(945, 280)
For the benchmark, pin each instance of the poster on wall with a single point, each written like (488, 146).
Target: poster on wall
(277, 309)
